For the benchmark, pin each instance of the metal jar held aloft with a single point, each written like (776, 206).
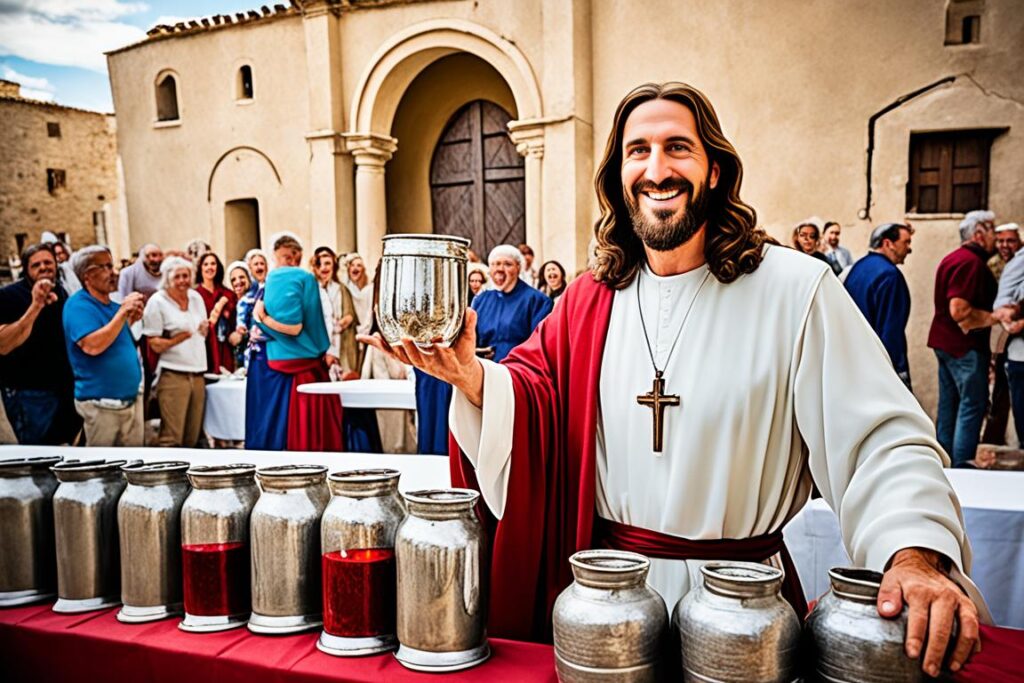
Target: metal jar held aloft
(85, 525)
(608, 624)
(285, 531)
(215, 547)
(737, 627)
(149, 525)
(28, 562)
(357, 539)
(850, 641)
(423, 288)
(442, 601)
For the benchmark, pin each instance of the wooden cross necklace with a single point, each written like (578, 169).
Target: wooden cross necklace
(655, 399)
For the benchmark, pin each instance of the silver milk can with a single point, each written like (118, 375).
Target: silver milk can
(149, 524)
(285, 531)
(609, 625)
(849, 641)
(423, 288)
(85, 525)
(442, 608)
(215, 547)
(357, 539)
(737, 627)
(28, 562)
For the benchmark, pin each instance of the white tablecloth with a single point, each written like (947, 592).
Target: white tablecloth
(993, 505)
(225, 401)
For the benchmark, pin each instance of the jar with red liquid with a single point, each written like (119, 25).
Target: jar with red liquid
(215, 547)
(357, 539)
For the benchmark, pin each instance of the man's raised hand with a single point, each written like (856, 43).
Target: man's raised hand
(456, 364)
(42, 293)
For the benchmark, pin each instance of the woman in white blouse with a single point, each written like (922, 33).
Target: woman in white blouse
(339, 312)
(176, 324)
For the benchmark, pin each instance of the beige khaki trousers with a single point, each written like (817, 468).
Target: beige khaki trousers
(182, 399)
(111, 427)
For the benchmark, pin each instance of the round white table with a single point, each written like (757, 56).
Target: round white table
(368, 393)
(225, 401)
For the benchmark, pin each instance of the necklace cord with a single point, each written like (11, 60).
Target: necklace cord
(643, 324)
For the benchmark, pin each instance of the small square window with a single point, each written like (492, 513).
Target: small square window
(52, 129)
(56, 179)
(949, 171)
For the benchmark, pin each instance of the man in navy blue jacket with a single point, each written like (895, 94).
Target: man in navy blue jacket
(880, 291)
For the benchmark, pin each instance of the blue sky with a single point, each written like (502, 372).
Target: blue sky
(54, 48)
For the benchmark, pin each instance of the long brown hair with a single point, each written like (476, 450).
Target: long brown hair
(732, 243)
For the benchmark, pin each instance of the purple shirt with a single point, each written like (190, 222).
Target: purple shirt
(962, 274)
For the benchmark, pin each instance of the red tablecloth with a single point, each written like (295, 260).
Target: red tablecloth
(38, 645)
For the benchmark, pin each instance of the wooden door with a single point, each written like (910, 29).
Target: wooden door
(477, 184)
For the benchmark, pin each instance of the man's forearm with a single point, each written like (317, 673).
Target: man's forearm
(976, 319)
(472, 384)
(99, 341)
(14, 335)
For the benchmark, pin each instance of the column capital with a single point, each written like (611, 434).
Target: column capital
(370, 149)
(528, 137)
(316, 8)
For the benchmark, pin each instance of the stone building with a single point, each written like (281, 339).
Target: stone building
(344, 120)
(58, 173)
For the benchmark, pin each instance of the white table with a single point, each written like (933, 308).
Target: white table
(225, 410)
(225, 401)
(993, 507)
(368, 393)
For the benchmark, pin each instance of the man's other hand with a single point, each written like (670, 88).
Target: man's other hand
(42, 293)
(914, 577)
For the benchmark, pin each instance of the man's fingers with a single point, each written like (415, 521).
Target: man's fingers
(890, 597)
(969, 637)
(940, 626)
(917, 627)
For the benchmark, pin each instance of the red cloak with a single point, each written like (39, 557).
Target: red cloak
(549, 509)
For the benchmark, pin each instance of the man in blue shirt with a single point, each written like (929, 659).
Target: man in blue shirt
(102, 353)
(880, 291)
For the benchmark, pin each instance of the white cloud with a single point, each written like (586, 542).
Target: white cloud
(170, 20)
(39, 84)
(42, 95)
(66, 32)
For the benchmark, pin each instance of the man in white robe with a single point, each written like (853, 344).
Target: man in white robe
(778, 382)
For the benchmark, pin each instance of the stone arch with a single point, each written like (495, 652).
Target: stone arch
(244, 195)
(394, 66)
(167, 96)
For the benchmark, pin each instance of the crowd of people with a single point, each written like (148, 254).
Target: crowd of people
(90, 351)
(976, 327)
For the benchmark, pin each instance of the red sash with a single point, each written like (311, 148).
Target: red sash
(616, 536)
(314, 420)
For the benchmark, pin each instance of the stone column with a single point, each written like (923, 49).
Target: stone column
(529, 142)
(370, 151)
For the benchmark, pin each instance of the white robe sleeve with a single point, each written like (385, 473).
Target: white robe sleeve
(485, 434)
(872, 449)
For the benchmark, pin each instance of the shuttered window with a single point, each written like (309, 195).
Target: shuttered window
(949, 171)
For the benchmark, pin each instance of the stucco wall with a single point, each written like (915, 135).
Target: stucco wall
(85, 150)
(173, 192)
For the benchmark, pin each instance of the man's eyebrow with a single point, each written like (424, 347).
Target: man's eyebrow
(636, 141)
(675, 138)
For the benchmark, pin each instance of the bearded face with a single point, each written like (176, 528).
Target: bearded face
(666, 229)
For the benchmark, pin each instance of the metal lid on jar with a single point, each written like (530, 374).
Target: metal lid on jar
(447, 246)
(609, 568)
(742, 579)
(855, 583)
(81, 470)
(155, 473)
(20, 467)
(291, 476)
(440, 503)
(222, 476)
(365, 483)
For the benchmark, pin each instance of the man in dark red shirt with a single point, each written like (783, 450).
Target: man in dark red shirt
(964, 292)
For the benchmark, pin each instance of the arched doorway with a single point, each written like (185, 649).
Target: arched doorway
(477, 179)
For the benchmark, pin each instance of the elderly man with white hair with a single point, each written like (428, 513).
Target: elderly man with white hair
(176, 326)
(507, 315)
(964, 294)
(102, 352)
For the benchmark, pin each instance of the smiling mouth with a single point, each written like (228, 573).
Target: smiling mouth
(663, 195)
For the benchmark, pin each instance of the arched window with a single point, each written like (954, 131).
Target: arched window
(167, 99)
(243, 85)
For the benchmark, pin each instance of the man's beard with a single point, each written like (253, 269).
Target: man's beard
(662, 233)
